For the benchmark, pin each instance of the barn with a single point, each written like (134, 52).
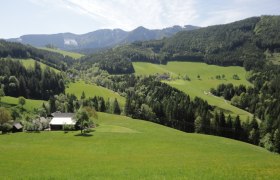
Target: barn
(60, 119)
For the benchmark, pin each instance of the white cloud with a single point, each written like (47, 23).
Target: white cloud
(128, 14)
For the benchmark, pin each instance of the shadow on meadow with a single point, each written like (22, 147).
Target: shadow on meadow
(87, 133)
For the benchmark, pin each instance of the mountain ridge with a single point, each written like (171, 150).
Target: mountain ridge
(99, 39)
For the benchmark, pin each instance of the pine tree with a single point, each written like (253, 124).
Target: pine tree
(116, 107)
(237, 128)
(83, 96)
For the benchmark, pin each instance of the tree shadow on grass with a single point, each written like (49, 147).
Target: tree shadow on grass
(83, 135)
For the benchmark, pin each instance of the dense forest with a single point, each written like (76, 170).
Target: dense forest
(35, 83)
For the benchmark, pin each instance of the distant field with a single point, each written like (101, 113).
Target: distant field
(122, 148)
(31, 63)
(65, 53)
(30, 103)
(91, 90)
(198, 86)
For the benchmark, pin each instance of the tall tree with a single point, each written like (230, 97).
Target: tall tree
(237, 128)
(5, 117)
(21, 101)
(116, 107)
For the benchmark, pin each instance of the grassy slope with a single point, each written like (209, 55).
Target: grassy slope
(29, 105)
(91, 90)
(122, 148)
(31, 62)
(65, 53)
(198, 87)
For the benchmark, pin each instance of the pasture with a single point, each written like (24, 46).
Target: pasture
(123, 148)
(64, 53)
(92, 90)
(202, 79)
(30, 104)
(30, 63)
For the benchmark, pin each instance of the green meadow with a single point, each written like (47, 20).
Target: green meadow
(30, 63)
(30, 104)
(92, 90)
(123, 148)
(64, 53)
(199, 86)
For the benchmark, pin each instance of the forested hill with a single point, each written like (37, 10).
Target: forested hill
(240, 43)
(18, 50)
(100, 39)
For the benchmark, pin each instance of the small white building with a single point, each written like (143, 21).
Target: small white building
(60, 119)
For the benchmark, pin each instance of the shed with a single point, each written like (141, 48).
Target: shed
(60, 119)
(17, 127)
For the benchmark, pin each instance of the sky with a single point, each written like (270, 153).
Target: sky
(19, 17)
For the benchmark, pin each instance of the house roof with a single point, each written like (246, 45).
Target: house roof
(58, 114)
(62, 121)
(17, 125)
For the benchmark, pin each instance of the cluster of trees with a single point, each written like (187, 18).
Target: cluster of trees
(70, 103)
(109, 60)
(18, 50)
(37, 83)
(249, 131)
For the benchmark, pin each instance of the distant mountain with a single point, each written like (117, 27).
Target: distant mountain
(99, 39)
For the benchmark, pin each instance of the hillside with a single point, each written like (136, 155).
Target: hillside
(30, 104)
(30, 63)
(20, 51)
(91, 90)
(64, 53)
(122, 148)
(199, 87)
(99, 39)
(241, 43)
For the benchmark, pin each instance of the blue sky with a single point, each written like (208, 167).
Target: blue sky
(19, 17)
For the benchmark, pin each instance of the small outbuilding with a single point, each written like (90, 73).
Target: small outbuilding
(60, 119)
(17, 127)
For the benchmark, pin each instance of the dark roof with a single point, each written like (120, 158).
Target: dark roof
(18, 125)
(63, 114)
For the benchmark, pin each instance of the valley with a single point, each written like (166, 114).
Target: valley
(184, 102)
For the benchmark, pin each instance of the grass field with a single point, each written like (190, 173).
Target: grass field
(92, 90)
(122, 148)
(30, 63)
(199, 86)
(65, 53)
(29, 105)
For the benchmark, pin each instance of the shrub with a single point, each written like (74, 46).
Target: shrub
(6, 127)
